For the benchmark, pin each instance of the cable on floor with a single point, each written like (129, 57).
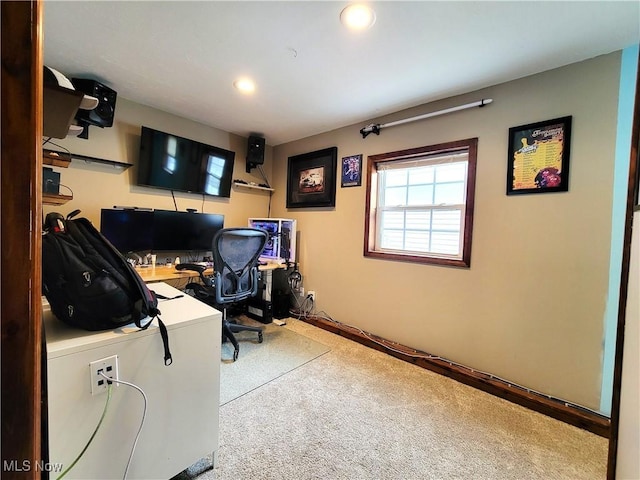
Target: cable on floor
(417, 354)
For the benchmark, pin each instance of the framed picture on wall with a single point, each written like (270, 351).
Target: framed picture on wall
(538, 157)
(351, 171)
(311, 179)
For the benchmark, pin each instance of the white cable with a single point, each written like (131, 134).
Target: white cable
(144, 415)
(417, 354)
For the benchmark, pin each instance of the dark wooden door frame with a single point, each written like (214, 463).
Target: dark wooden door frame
(624, 282)
(20, 207)
(20, 214)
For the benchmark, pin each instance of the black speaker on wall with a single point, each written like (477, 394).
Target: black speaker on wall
(102, 115)
(255, 152)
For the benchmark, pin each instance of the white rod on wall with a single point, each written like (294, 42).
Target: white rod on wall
(376, 127)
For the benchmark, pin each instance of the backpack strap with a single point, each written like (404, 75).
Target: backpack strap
(168, 359)
(151, 302)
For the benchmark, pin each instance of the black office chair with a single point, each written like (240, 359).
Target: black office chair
(235, 275)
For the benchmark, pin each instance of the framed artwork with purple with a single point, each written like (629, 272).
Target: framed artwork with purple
(538, 159)
(351, 171)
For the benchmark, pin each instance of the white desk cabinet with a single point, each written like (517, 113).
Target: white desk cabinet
(181, 425)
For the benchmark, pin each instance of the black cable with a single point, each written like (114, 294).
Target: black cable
(56, 145)
(175, 205)
(266, 181)
(67, 187)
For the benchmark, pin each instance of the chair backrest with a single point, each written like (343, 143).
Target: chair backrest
(235, 262)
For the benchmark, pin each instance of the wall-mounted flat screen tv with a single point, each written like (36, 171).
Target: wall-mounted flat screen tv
(176, 163)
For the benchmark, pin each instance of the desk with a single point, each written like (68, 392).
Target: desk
(163, 273)
(169, 274)
(182, 423)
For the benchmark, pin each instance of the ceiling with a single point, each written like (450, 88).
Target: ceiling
(313, 75)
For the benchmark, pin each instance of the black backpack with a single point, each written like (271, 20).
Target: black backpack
(89, 284)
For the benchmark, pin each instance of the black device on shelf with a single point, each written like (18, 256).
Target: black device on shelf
(176, 163)
(131, 229)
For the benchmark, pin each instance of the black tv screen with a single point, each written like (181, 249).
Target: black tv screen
(181, 231)
(128, 230)
(176, 163)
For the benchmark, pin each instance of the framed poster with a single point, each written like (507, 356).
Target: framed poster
(311, 179)
(351, 171)
(539, 157)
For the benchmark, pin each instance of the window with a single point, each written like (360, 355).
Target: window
(215, 169)
(420, 204)
(170, 164)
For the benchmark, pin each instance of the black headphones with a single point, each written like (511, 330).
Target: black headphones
(294, 279)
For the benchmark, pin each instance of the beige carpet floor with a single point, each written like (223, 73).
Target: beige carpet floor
(355, 413)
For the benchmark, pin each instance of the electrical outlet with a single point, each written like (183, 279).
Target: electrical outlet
(108, 366)
(312, 294)
(301, 291)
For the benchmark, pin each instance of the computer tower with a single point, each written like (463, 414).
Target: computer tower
(260, 310)
(280, 305)
(281, 292)
(281, 244)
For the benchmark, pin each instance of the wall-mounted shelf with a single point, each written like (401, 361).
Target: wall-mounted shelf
(57, 159)
(249, 185)
(62, 159)
(113, 163)
(53, 199)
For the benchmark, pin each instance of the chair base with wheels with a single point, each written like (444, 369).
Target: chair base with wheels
(230, 327)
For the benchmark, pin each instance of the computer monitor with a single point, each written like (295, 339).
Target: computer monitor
(128, 230)
(184, 231)
(135, 230)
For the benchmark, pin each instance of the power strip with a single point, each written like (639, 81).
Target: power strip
(279, 322)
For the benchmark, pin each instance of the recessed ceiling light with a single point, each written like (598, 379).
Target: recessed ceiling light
(358, 16)
(245, 85)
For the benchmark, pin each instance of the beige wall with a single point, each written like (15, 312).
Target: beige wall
(531, 307)
(96, 186)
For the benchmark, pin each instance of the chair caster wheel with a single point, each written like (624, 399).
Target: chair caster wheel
(235, 354)
(260, 337)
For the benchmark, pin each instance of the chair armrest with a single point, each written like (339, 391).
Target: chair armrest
(191, 266)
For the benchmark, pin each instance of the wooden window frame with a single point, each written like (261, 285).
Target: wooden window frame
(370, 228)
